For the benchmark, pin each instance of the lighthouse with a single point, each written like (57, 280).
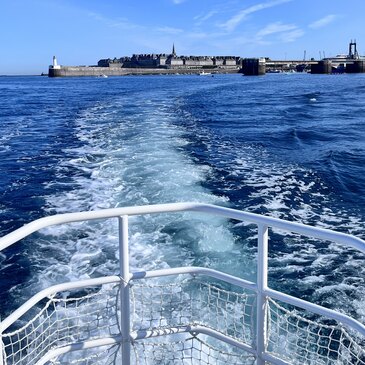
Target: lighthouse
(55, 66)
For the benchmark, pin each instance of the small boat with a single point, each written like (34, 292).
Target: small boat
(204, 73)
(103, 76)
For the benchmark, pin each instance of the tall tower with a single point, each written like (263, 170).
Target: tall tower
(54, 63)
(173, 50)
(352, 50)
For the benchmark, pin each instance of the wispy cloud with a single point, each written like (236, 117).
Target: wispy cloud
(291, 36)
(284, 32)
(323, 21)
(275, 28)
(204, 17)
(199, 35)
(177, 2)
(122, 23)
(169, 30)
(232, 23)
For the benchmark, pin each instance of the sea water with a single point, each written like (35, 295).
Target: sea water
(286, 146)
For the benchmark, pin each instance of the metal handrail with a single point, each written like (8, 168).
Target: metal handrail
(261, 288)
(316, 232)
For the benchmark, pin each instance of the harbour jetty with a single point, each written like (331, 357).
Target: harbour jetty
(342, 63)
(151, 64)
(156, 64)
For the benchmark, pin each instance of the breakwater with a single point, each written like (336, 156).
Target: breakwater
(69, 71)
(159, 64)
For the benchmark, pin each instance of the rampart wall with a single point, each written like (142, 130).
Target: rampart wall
(67, 71)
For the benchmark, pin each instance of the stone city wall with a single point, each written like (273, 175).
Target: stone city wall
(68, 71)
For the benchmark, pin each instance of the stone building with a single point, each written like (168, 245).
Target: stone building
(171, 61)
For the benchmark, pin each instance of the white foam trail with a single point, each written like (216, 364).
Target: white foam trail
(128, 158)
(263, 185)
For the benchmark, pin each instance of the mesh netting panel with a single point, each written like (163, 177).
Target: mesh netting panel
(61, 321)
(68, 318)
(191, 350)
(181, 349)
(177, 304)
(300, 340)
(105, 355)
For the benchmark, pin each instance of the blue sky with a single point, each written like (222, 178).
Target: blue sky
(80, 32)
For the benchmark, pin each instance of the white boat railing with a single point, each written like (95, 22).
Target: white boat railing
(276, 315)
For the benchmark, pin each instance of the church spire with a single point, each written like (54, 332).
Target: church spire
(173, 50)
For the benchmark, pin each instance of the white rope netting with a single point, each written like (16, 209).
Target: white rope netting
(104, 355)
(183, 350)
(300, 339)
(63, 320)
(194, 303)
(295, 336)
(191, 350)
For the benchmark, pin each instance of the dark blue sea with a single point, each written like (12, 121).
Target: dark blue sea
(287, 146)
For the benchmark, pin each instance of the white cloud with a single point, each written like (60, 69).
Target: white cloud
(204, 17)
(169, 30)
(113, 23)
(199, 35)
(323, 21)
(232, 23)
(292, 35)
(273, 28)
(284, 32)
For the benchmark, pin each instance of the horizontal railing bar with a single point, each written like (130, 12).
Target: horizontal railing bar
(53, 290)
(143, 334)
(194, 330)
(316, 232)
(314, 308)
(115, 279)
(113, 340)
(192, 270)
(182, 271)
(298, 228)
(44, 222)
(157, 332)
(342, 318)
(271, 359)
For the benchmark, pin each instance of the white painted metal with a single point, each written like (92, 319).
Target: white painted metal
(8, 321)
(196, 271)
(262, 253)
(124, 290)
(329, 313)
(316, 232)
(317, 309)
(194, 330)
(54, 353)
(140, 335)
(2, 360)
(261, 288)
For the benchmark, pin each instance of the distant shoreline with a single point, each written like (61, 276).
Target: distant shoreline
(76, 71)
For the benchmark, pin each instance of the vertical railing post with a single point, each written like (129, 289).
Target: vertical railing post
(124, 291)
(2, 359)
(262, 274)
(2, 346)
